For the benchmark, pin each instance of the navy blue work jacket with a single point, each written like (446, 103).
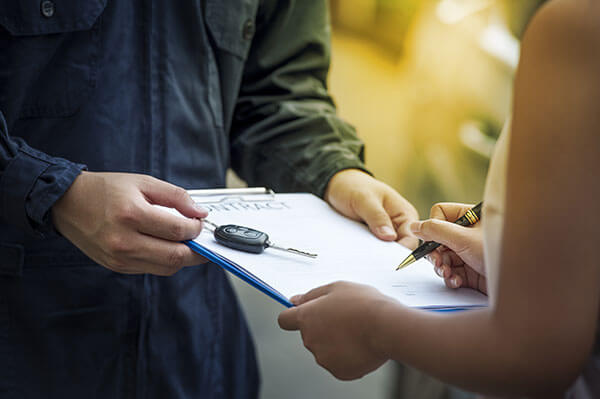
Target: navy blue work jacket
(179, 90)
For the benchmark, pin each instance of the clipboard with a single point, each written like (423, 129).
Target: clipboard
(343, 245)
(247, 195)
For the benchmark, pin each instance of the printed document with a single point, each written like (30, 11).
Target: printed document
(346, 250)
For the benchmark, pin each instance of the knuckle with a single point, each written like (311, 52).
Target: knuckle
(428, 225)
(358, 199)
(116, 264)
(381, 216)
(321, 361)
(127, 213)
(117, 245)
(343, 375)
(436, 210)
(177, 231)
(282, 319)
(179, 194)
(147, 180)
(175, 259)
(333, 285)
(307, 342)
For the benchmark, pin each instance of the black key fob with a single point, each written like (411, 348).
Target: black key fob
(241, 238)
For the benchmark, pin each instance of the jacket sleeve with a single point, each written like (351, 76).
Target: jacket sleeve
(30, 183)
(286, 134)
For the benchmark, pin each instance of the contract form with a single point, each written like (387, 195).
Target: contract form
(346, 249)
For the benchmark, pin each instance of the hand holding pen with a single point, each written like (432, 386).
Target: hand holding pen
(459, 254)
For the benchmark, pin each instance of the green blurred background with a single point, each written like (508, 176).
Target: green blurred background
(428, 86)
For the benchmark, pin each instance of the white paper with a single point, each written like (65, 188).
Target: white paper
(346, 251)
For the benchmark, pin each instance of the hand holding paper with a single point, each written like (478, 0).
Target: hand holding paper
(338, 323)
(359, 196)
(110, 217)
(342, 323)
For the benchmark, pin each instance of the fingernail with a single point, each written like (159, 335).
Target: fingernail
(295, 299)
(415, 227)
(454, 282)
(200, 209)
(439, 271)
(386, 231)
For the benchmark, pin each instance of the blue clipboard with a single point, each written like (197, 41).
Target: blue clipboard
(239, 272)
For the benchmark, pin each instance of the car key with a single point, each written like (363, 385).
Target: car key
(248, 240)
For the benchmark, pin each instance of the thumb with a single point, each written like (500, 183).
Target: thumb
(451, 235)
(288, 319)
(162, 193)
(370, 209)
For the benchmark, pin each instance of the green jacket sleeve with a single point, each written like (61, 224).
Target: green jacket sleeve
(286, 134)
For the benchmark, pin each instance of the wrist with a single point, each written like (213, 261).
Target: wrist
(59, 211)
(378, 331)
(340, 180)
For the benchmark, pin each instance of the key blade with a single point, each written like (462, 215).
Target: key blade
(298, 252)
(211, 224)
(291, 250)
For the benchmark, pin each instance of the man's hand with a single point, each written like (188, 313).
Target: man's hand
(359, 196)
(110, 217)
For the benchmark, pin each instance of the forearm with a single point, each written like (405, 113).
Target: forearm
(472, 350)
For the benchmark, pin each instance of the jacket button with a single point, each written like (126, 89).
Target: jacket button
(47, 8)
(248, 30)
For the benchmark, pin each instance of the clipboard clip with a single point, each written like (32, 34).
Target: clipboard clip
(232, 194)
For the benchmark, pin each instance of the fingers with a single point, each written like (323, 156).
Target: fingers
(453, 277)
(454, 274)
(454, 281)
(443, 256)
(167, 254)
(409, 242)
(449, 211)
(162, 193)
(370, 209)
(288, 319)
(451, 235)
(312, 294)
(145, 254)
(402, 214)
(159, 223)
(359, 196)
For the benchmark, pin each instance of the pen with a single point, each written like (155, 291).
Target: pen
(471, 217)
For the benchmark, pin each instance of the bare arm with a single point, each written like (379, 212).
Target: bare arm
(539, 329)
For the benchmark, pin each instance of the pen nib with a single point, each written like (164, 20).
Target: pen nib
(408, 261)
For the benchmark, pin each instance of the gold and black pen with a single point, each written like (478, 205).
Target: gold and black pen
(471, 217)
